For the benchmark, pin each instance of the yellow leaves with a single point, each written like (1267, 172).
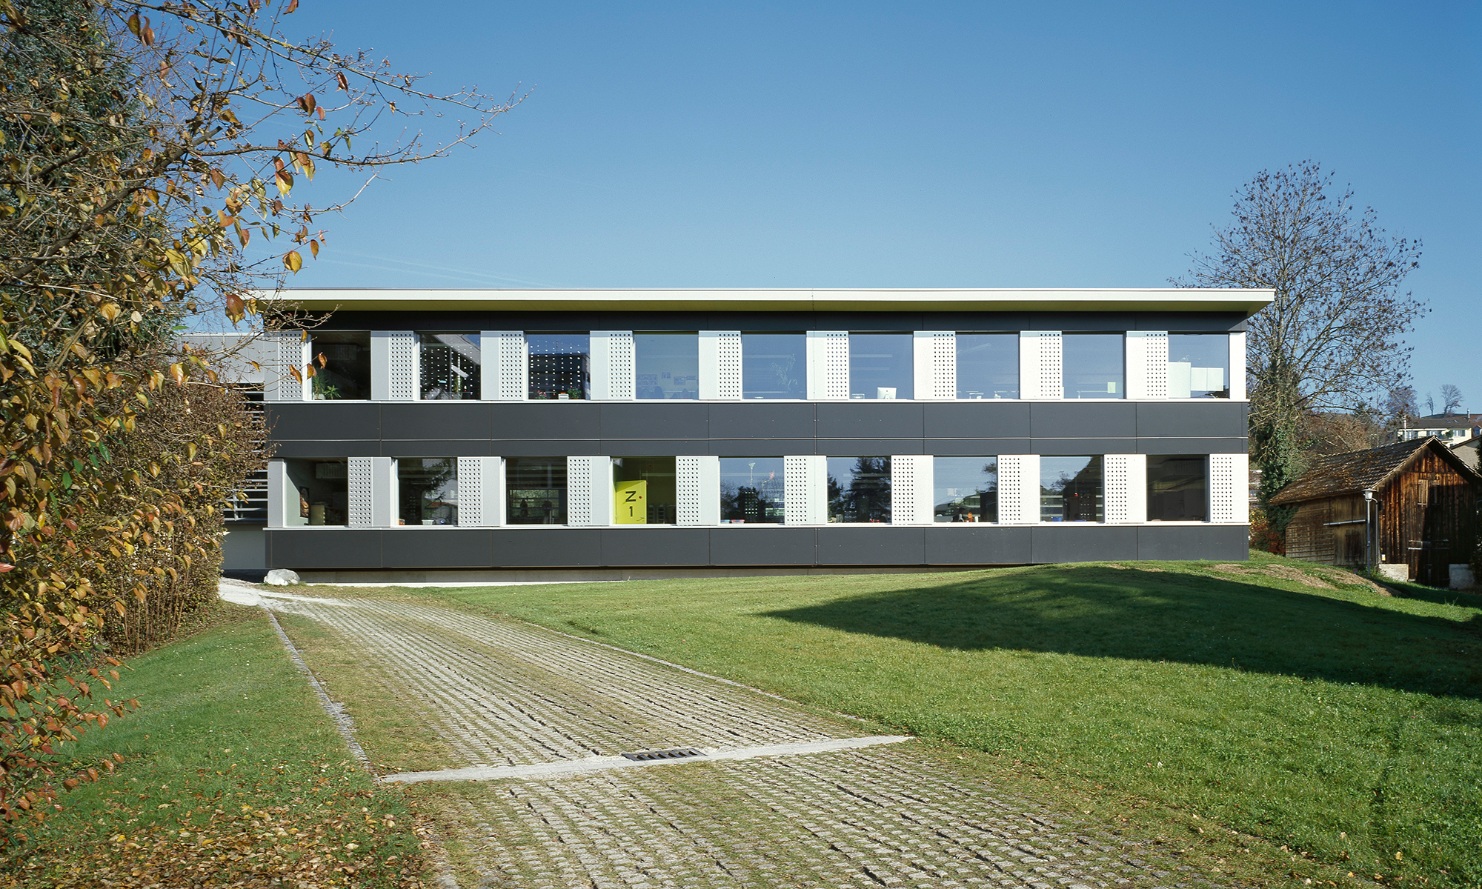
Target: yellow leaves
(314, 248)
(139, 27)
(235, 307)
(109, 311)
(177, 373)
(293, 261)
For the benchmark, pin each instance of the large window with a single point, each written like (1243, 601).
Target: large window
(427, 491)
(1093, 365)
(966, 489)
(859, 489)
(1198, 365)
(1178, 489)
(644, 491)
(987, 365)
(751, 490)
(342, 364)
(881, 366)
(450, 366)
(774, 365)
(535, 490)
(1070, 489)
(559, 365)
(667, 365)
(322, 488)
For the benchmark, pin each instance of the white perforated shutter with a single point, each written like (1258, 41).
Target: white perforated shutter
(935, 353)
(480, 491)
(1126, 489)
(828, 365)
(1237, 365)
(589, 491)
(911, 482)
(1018, 489)
(720, 365)
(285, 349)
(697, 484)
(1040, 364)
(394, 374)
(612, 365)
(372, 492)
(805, 490)
(506, 365)
(1147, 364)
(1229, 488)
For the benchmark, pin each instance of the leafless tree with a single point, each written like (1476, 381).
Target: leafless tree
(1451, 399)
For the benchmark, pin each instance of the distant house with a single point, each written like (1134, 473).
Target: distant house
(1449, 428)
(1468, 451)
(1412, 502)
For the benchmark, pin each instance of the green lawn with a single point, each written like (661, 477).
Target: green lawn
(233, 775)
(1292, 704)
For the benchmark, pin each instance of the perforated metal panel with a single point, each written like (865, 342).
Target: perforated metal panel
(1018, 489)
(613, 376)
(401, 355)
(910, 489)
(506, 366)
(805, 490)
(285, 349)
(1229, 485)
(936, 364)
(1237, 365)
(720, 365)
(480, 494)
(1040, 364)
(362, 492)
(1147, 364)
(828, 364)
(1125, 489)
(697, 486)
(589, 490)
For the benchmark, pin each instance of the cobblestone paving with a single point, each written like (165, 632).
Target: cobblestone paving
(501, 693)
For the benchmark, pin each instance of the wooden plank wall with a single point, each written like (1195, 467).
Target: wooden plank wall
(1428, 518)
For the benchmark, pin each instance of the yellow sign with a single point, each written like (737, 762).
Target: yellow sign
(630, 506)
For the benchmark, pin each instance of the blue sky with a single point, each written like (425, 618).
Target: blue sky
(926, 144)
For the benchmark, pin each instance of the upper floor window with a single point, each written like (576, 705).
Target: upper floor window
(1093, 365)
(1198, 365)
(342, 364)
(966, 489)
(859, 489)
(450, 365)
(751, 490)
(1070, 489)
(666, 365)
(987, 365)
(560, 365)
(774, 365)
(881, 365)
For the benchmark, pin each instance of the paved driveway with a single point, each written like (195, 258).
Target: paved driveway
(530, 727)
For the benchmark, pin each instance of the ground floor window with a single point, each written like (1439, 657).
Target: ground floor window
(1178, 488)
(536, 490)
(427, 491)
(859, 490)
(751, 490)
(1070, 489)
(644, 491)
(322, 488)
(965, 489)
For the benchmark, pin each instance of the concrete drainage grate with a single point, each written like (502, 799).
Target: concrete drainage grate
(651, 755)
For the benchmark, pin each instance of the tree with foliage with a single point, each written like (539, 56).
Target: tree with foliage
(1451, 399)
(143, 146)
(1332, 337)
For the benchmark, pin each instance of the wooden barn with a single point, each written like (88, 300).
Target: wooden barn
(1420, 509)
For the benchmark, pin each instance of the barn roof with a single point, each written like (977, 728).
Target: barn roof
(1360, 471)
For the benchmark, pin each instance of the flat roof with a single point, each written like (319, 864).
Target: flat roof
(781, 299)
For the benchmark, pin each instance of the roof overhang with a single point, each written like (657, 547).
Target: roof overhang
(779, 300)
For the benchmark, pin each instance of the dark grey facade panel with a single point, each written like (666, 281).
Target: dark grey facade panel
(1214, 542)
(436, 547)
(437, 448)
(1082, 543)
(437, 419)
(771, 420)
(553, 547)
(321, 420)
(975, 447)
(325, 548)
(307, 450)
(1191, 446)
(656, 447)
(977, 545)
(1068, 419)
(763, 446)
(840, 545)
(1089, 446)
(588, 447)
(549, 420)
(862, 419)
(976, 419)
(1216, 418)
(640, 420)
(672, 547)
(763, 547)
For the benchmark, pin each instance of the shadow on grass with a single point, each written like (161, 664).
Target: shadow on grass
(1138, 614)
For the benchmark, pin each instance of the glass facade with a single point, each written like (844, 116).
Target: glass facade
(342, 364)
(1178, 488)
(320, 492)
(881, 365)
(1070, 489)
(535, 490)
(450, 366)
(965, 489)
(560, 365)
(1093, 365)
(644, 491)
(427, 491)
(751, 490)
(774, 365)
(859, 490)
(1198, 365)
(987, 365)
(666, 365)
